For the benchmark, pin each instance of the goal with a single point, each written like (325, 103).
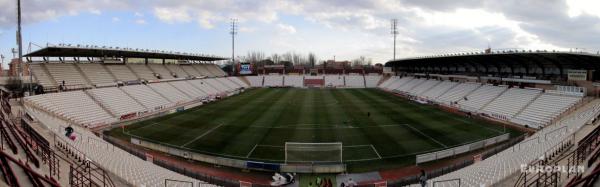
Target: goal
(296, 152)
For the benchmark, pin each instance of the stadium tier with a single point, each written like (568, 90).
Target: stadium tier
(84, 75)
(501, 165)
(301, 81)
(129, 119)
(509, 104)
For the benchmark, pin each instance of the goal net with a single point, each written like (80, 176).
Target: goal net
(313, 152)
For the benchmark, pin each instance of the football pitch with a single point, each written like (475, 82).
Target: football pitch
(377, 129)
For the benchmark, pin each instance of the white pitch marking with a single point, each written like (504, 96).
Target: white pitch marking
(409, 126)
(375, 151)
(202, 135)
(250, 153)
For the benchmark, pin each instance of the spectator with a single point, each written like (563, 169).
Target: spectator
(423, 178)
(318, 181)
(68, 131)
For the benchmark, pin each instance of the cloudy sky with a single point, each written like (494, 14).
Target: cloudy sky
(342, 28)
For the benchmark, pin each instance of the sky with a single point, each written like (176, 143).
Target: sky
(345, 29)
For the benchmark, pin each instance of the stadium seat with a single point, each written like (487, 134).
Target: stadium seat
(371, 81)
(42, 76)
(177, 70)
(68, 73)
(239, 82)
(205, 87)
(355, 81)
(504, 164)
(292, 80)
(273, 80)
(97, 74)
(422, 87)
(255, 81)
(146, 96)
(117, 101)
(409, 85)
(332, 80)
(480, 97)
(170, 92)
(511, 102)
(121, 72)
(458, 92)
(75, 106)
(203, 70)
(189, 89)
(544, 109)
(135, 171)
(142, 71)
(438, 90)
(161, 70)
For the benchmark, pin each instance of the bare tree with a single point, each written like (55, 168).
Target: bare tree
(362, 61)
(312, 59)
(275, 58)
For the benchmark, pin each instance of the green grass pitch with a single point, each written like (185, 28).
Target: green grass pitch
(256, 124)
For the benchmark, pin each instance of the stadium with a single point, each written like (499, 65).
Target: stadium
(88, 115)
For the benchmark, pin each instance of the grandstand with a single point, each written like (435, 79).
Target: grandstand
(195, 112)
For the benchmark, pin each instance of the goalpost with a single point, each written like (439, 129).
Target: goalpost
(296, 152)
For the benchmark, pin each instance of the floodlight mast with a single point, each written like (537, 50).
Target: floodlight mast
(19, 42)
(233, 32)
(394, 32)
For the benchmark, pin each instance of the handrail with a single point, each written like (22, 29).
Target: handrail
(29, 170)
(456, 179)
(548, 160)
(587, 179)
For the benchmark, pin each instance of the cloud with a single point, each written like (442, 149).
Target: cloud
(116, 19)
(580, 7)
(140, 21)
(286, 29)
(425, 26)
(36, 11)
(95, 11)
(173, 15)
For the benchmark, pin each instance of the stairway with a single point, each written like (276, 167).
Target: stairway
(100, 104)
(491, 101)
(87, 80)
(134, 73)
(114, 78)
(383, 79)
(138, 102)
(43, 66)
(527, 105)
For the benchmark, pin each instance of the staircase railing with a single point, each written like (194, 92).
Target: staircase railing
(89, 174)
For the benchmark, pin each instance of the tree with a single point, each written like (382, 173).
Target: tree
(275, 58)
(312, 59)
